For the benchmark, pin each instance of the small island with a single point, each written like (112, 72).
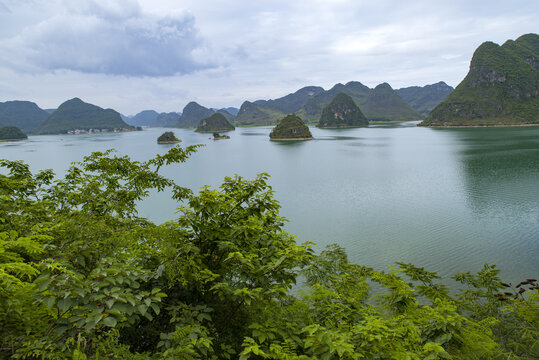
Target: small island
(168, 137)
(291, 127)
(8, 133)
(342, 112)
(215, 123)
(217, 136)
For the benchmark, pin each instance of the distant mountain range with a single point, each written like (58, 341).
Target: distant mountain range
(381, 103)
(501, 88)
(166, 120)
(143, 118)
(75, 114)
(424, 99)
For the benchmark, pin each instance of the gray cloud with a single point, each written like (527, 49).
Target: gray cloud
(108, 37)
(52, 50)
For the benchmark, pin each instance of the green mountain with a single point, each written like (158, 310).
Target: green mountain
(312, 110)
(424, 99)
(230, 118)
(501, 88)
(253, 114)
(12, 133)
(192, 114)
(291, 127)
(166, 120)
(75, 114)
(291, 102)
(143, 118)
(25, 115)
(215, 123)
(342, 112)
(383, 104)
(379, 104)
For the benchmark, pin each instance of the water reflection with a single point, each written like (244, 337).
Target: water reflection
(500, 175)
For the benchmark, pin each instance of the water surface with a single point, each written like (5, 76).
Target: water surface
(446, 199)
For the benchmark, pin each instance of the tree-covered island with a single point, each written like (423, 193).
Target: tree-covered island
(168, 137)
(11, 133)
(291, 127)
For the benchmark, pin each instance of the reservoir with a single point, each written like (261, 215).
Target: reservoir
(449, 200)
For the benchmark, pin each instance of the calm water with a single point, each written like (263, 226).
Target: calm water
(449, 200)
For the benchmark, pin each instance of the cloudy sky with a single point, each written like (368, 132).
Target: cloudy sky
(132, 55)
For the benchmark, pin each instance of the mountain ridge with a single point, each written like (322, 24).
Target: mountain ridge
(501, 87)
(75, 114)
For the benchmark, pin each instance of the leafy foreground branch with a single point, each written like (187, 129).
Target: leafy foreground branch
(83, 277)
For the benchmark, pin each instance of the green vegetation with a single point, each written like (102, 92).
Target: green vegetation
(379, 104)
(25, 115)
(228, 116)
(312, 110)
(501, 88)
(342, 112)
(83, 277)
(192, 113)
(167, 137)
(291, 127)
(383, 103)
(215, 123)
(424, 99)
(217, 136)
(253, 114)
(12, 133)
(75, 114)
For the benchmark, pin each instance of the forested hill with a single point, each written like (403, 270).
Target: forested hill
(25, 115)
(501, 87)
(76, 114)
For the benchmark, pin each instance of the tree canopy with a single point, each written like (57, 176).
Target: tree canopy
(82, 276)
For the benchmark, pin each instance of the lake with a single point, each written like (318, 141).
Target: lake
(446, 199)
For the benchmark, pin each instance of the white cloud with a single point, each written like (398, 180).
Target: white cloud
(108, 37)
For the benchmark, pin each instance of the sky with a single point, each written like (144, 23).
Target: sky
(132, 55)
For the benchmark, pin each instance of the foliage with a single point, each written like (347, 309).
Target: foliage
(289, 128)
(167, 137)
(83, 277)
(11, 133)
(76, 114)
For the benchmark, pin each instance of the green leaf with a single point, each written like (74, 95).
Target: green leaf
(110, 321)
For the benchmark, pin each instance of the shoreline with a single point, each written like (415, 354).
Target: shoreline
(291, 139)
(475, 126)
